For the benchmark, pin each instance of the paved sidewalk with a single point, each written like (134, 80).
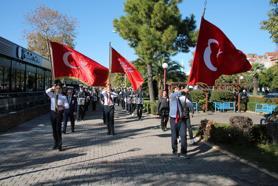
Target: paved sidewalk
(139, 154)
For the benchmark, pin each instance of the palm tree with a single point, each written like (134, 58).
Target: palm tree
(256, 69)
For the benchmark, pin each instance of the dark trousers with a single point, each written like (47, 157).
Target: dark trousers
(133, 107)
(81, 112)
(68, 115)
(178, 130)
(56, 121)
(236, 106)
(123, 103)
(128, 105)
(164, 116)
(109, 118)
(103, 115)
(139, 110)
(94, 104)
(245, 105)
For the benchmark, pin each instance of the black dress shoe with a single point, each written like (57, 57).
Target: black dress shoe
(54, 147)
(64, 132)
(60, 148)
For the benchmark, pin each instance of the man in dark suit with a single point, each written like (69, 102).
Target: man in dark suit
(70, 113)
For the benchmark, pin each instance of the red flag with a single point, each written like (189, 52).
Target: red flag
(72, 64)
(215, 55)
(121, 65)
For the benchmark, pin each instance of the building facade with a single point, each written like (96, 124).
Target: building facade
(24, 75)
(269, 59)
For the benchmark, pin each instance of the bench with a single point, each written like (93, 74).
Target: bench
(195, 106)
(265, 108)
(222, 106)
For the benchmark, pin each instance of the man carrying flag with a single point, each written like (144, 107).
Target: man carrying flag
(177, 122)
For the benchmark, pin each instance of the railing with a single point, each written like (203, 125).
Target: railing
(222, 106)
(265, 108)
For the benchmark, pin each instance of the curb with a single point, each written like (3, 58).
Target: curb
(218, 148)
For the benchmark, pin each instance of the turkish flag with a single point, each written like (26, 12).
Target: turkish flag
(121, 65)
(69, 63)
(215, 55)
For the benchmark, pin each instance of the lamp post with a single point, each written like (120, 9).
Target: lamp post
(238, 96)
(165, 66)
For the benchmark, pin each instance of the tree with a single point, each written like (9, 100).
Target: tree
(269, 77)
(257, 68)
(156, 30)
(47, 23)
(271, 25)
(174, 71)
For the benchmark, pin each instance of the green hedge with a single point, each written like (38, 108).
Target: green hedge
(219, 96)
(258, 99)
(197, 95)
(226, 134)
(253, 146)
(150, 107)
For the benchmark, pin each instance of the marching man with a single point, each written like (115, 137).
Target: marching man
(108, 104)
(58, 105)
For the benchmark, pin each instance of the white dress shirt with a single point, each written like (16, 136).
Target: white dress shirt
(109, 98)
(62, 100)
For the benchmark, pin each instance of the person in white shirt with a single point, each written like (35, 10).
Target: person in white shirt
(108, 104)
(58, 104)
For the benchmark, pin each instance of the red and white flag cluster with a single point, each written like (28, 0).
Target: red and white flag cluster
(69, 63)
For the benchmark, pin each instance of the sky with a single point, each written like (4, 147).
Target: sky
(238, 19)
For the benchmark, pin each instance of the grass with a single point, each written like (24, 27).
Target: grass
(263, 155)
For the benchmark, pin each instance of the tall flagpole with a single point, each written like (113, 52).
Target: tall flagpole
(50, 57)
(110, 63)
(205, 7)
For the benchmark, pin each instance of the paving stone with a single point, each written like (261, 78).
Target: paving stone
(140, 154)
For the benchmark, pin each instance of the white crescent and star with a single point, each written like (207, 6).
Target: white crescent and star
(207, 55)
(66, 61)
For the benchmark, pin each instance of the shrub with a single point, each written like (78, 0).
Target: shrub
(226, 134)
(197, 95)
(219, 96)
(150, 107)
(242, 123)
(153, 107)
(258, 135)
(146, 106)
(259, 99)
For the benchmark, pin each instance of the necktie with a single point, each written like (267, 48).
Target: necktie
(177, 112)
(56, 103)
(109, 99)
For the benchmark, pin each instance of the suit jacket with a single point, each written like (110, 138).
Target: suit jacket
(72, 104)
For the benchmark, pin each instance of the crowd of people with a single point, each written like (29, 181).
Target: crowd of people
(72, 103)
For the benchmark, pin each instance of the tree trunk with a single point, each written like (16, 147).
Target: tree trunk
(160, 89)
(255, 85)
(150, 82)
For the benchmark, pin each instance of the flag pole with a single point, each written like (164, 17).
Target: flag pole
(50, 57)
(205, 7)
(110, 63)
